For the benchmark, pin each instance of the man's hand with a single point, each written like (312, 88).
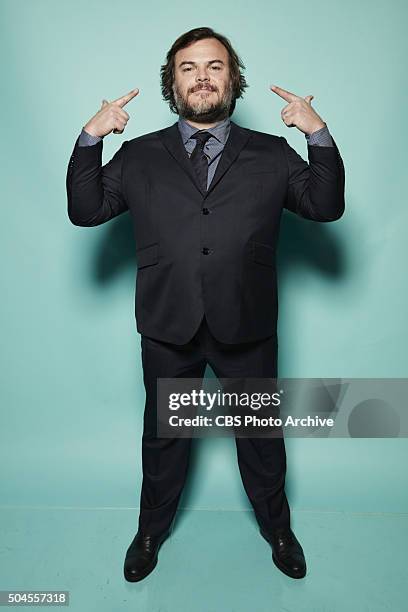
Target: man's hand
(111, 117)
(299, 112)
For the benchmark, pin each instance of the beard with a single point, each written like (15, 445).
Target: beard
(203, 111)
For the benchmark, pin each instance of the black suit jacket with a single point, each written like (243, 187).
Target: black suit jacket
(205, 252)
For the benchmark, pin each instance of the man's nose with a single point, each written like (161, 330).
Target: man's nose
(202, 75)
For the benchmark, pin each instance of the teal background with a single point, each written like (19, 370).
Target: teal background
(72, 395)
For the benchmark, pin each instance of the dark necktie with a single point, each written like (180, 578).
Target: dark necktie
(198, 158)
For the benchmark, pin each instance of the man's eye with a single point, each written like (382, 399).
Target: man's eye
(186, 69)
(217, 67)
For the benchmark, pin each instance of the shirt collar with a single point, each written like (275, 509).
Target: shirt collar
(219, 131)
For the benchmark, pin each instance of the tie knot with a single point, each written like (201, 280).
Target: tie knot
(201, 138)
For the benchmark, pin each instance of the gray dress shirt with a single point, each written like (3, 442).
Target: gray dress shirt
(216, 143)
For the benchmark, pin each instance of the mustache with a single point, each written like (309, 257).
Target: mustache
(203, 87)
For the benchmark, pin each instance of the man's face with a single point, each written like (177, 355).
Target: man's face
(202, 86)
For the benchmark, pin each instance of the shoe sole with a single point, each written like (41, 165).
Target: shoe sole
(150, 568)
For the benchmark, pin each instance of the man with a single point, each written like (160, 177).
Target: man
(206, 197)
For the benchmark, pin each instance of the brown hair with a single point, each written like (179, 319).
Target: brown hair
(235, 65)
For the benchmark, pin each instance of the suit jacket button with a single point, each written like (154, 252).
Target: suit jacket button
(205, 251)
(205, 211)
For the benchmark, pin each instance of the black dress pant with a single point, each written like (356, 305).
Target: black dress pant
(261, 461)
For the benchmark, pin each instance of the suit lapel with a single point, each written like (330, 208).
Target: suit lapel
(237, 139)
(171, 138)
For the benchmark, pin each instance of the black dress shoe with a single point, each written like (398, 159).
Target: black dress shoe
(287, 553)
(141, 556)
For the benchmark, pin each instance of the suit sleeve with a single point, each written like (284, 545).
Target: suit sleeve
(94, 192)
(315, 189)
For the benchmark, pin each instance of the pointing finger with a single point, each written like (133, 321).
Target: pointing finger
(309, 99)
(125, 99)
(286, 95)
